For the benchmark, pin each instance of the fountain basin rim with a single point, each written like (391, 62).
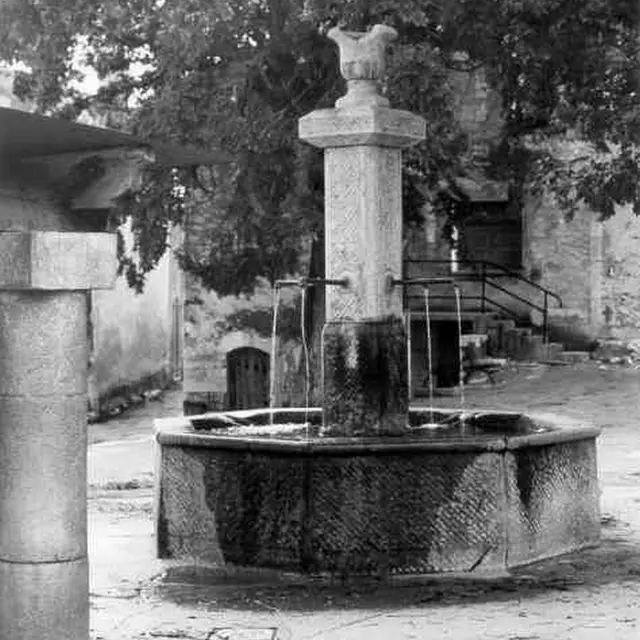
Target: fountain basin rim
(178, 432)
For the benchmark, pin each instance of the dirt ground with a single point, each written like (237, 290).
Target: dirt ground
(591, 595)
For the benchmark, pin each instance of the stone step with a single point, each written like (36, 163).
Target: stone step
(481, 322)
(611, 350)
(532, 348)
(505, 339)
(448, 314)
(497, 331)
(516, 343)
(478, 342)
(575, 356)
(552, 351)
(507, 323)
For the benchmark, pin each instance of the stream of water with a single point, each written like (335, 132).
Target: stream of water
(456, 289)
(274, 348)
(306, 355)
(427, 317)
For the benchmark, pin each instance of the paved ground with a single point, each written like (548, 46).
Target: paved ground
(592, 595)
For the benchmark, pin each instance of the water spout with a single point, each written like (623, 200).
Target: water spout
(305, 350)
(427, 316)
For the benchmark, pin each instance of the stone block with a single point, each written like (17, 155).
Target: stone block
(493, 341)
(553, 499)
(363, 125)
(379, 506)
(43, 478)
(575, 357)
(44, 348)
(196, 402)
(325, 513)
(611, 350)
(510, 342)
(52, 260)
(535, 348)
(522, 343)
(481, 323)
(44, 601)
(363, 231)
(500, 327)
(552, 351)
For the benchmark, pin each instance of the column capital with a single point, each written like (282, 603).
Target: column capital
(362, 125)
(57, 261)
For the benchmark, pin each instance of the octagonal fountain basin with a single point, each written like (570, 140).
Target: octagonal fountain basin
(457, 493)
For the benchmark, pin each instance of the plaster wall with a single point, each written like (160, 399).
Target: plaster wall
(134, 334)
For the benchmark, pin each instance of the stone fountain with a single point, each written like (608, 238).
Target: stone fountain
(366, 485)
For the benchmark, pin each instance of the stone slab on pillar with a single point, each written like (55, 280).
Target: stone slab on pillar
(43, 440)
(364, 345)
(51, 260)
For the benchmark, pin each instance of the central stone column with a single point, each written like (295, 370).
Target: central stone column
(364, 342)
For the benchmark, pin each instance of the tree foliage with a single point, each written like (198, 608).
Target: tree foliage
(237, 76)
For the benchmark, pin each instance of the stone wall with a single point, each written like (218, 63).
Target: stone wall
(215, 326)
(594, 266)
(619, 270)
(563, 256)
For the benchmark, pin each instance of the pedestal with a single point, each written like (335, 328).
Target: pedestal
(364, 342)
(44, 581)
(366, 389)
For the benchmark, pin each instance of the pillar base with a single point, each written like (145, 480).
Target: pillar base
(44, 601)
(365, 378)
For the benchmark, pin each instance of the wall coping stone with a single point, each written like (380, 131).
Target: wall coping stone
(178, 432)
(57, 261)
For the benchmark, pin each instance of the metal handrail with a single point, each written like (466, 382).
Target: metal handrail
(484, 278)
(505, 272)
(516, 296)
(518, 276)
(508, 311)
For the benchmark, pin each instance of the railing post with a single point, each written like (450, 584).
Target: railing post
(545, 326)
(483, 273)
(407, 322)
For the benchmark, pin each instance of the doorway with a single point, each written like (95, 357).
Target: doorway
(247, 378)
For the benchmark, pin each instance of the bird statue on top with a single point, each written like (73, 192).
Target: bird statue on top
(363, 63)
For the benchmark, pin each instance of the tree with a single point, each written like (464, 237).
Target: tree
(237, 75)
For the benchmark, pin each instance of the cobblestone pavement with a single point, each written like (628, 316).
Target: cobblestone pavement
(591, 595)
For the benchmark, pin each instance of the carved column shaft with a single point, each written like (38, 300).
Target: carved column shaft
(363, 235)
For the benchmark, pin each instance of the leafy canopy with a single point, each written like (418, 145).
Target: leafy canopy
(237, 76)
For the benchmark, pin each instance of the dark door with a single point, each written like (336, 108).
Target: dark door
(448, 367)
(247, 378)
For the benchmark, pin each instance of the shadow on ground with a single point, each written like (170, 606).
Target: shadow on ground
(614, 561)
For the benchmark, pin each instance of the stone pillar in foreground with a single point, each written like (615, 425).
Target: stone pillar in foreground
(365, 349)
(44, 577)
